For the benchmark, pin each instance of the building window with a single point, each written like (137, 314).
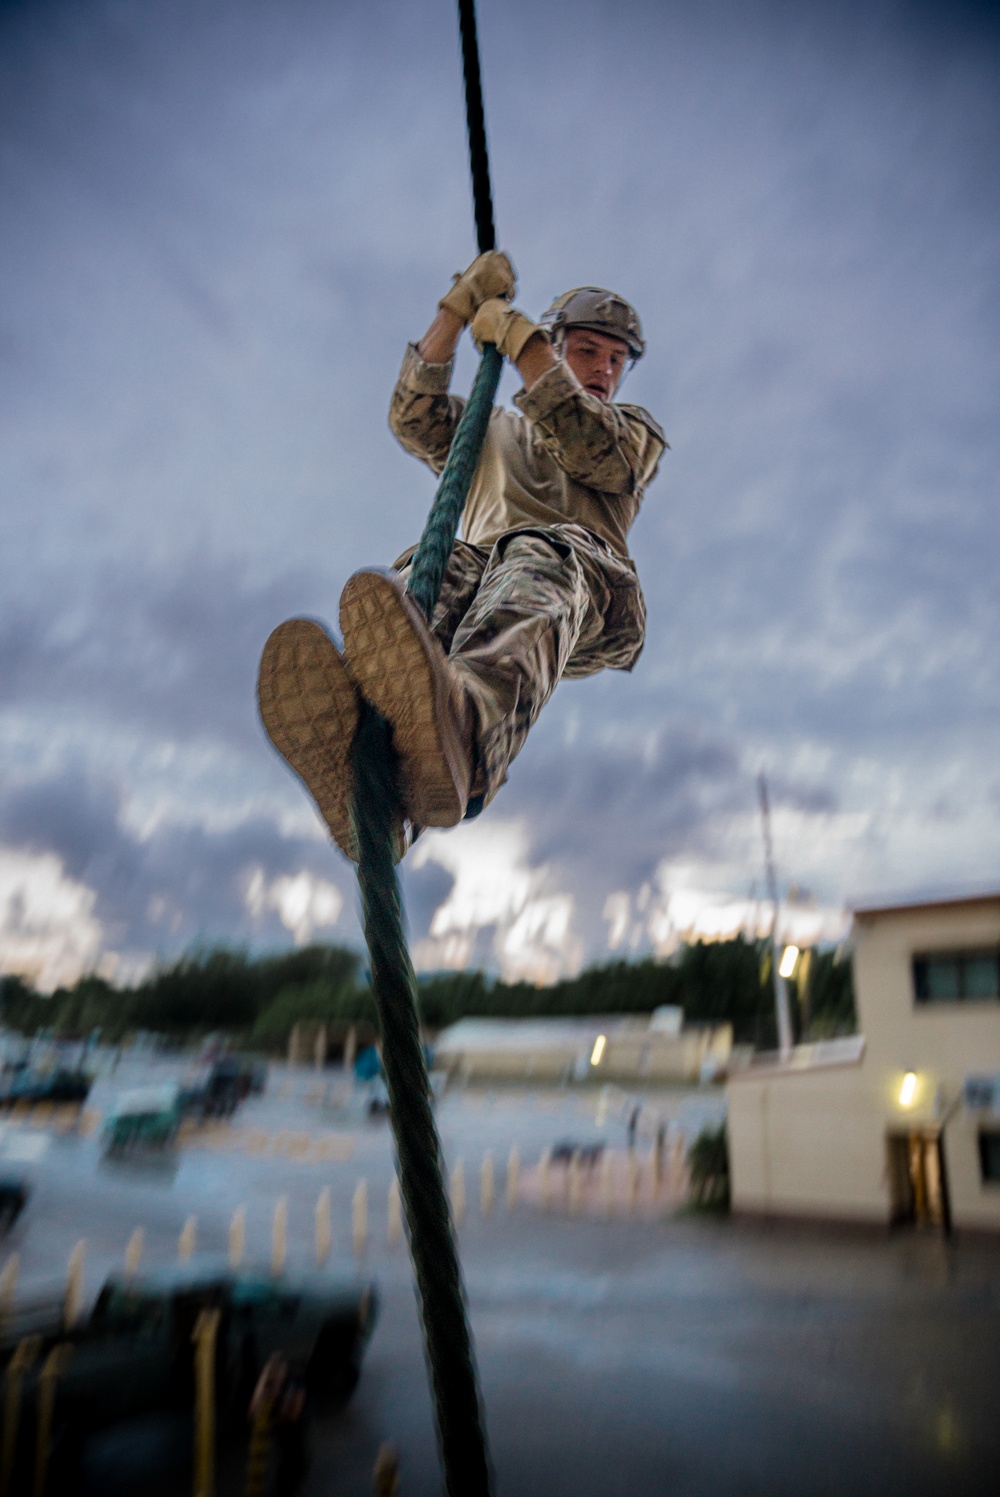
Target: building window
(989, 1158)
(957, 977)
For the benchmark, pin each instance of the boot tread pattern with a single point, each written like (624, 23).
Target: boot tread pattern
(389, 660)
(309, 708)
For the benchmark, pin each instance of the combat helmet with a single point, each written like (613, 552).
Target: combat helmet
(599, 310)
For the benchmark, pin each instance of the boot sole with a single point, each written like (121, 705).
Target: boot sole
(387, 651)
(309, 707)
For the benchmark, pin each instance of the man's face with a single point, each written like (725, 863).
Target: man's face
(597, 360)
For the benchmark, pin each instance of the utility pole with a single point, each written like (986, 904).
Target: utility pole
(781, 1008)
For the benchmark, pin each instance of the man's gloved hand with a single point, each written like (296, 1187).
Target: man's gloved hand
(489, 275)
(498, 322)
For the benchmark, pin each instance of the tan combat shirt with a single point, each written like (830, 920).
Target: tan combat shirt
(566, 457)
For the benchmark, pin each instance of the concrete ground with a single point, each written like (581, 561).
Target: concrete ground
(672, 1355)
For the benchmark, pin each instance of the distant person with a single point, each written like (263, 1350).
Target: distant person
(633, 1124)
(541, 586)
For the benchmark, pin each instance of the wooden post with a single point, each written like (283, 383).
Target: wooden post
(458, 1192)
(633, 1179)
(186, 1241)
(385, 1476)
(73, 1303)
(258, 1467)
(323, 1234)
(8, 1286)
(487, 1185)
(574, 1183)
(237, 1236)
(359, 1218)
(204, 1337)
(133, 1253)
(513, 1176)
(677, 1164)
(53, 1368)
(395, 1218)
(607, 1182)
(25, 1355)
(279, 1236)
(544, 1165)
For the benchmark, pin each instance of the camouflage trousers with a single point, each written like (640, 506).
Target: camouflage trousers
(514, 619)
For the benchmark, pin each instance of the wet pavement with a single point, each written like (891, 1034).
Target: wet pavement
(657, 1354)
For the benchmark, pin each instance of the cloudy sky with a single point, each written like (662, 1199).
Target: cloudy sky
(219, 224)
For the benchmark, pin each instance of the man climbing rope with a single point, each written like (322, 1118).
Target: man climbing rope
(540, 587)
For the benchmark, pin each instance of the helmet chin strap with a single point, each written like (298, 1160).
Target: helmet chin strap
(625, 374)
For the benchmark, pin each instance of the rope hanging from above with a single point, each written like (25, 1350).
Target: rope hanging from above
(376, 811)
(430, 559)
(475, 118)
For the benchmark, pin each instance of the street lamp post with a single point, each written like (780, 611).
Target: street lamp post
(781, 1007)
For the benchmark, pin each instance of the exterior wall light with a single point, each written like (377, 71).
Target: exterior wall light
(789, 957)
(908, 1089)
(598, 1050)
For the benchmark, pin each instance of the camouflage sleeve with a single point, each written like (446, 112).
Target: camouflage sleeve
(613, 448)
(422, 415)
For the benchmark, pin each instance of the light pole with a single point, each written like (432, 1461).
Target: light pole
(781, 1009)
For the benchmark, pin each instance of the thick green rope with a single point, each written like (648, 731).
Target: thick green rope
(376, 809)
(447, 1338)
(430, 559)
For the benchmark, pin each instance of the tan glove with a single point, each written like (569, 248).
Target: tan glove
(498, 322)
(489, 275)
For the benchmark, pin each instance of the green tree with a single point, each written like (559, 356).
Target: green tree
(728, 980)
(445, 997)
(229, 990)
(262, 996)
(708, 1166)
(318, 1000)
(832, 1008)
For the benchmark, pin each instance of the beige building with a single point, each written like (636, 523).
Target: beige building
(902, 1122)
(631, 1048)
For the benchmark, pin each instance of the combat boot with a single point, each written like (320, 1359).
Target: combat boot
(310, 707)
(402, 670)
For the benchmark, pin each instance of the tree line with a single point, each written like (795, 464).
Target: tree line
(712, 982)
(257, 999)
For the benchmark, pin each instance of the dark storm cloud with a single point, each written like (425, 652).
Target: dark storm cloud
(221, 221)
(424, 890)
(172, 651)
(73, 815)
(605, 817)
(177, 884)
(642, 803)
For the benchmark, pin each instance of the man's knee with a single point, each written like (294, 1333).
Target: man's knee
(531, 576)
(530, 544)
(528, 565)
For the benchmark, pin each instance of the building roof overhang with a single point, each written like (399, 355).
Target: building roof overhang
(819, 1055)
(914, 906)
